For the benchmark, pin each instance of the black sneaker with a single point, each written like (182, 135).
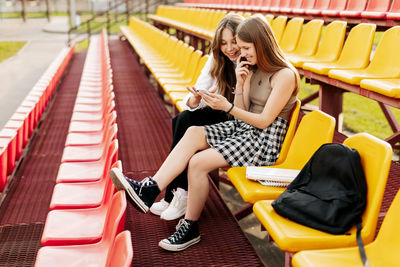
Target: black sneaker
(141, 194)
(186, 236)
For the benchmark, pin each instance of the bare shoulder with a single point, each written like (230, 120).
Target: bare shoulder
(284, 74)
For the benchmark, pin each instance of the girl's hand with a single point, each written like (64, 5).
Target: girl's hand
(216, 101)
(194, 100)
(241, 71)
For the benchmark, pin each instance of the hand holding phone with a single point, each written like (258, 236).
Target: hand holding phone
(204, 91)
(248, 66)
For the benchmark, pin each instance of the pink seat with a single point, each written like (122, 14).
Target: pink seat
(92, 254)
(319, 6)
(90, 152)
(354, 8)
(22, 133)
(271, 4)
(90, 138)
(305, 5)
(91, 127)
(121, 253)
(334, 8)
(10, 144)
(10, 136)
(293, 4)
(282, 4)
(85, 195)
(376, 9)
(81, 172)
(394, 12)
(3, 167)
(82, 226)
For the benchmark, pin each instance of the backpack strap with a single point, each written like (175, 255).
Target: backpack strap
(361, 245)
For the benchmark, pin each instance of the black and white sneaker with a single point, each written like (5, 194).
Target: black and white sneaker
(185, 236)
(141, 194)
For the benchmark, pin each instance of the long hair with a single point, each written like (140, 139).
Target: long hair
(223, 69)
(270, 57)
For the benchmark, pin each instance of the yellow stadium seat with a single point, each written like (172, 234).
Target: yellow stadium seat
(355, 54)
(315, 129)
(382, 252)
(329, 47)
(309, 39)
(291, 34)
(278, 25)
(182, 88)
(269, 18)
(385, 62)
(290, 236)
(387, 87)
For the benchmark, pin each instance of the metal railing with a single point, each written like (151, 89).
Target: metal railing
(116, 13)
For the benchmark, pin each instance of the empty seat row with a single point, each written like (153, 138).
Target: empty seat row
(20, 127)
(86, 218)
(158, 51)
(374, 9)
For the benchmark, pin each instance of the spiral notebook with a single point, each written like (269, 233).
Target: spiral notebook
(271, 176)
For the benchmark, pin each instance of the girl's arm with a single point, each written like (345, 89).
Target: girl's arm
(283, 84)
(192, 100)
(242, 90)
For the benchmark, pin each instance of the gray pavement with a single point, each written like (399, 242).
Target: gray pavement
(19, 73)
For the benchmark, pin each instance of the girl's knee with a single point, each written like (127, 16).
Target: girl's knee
(196, 131)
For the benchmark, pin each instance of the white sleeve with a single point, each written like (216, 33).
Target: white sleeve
(204, 81)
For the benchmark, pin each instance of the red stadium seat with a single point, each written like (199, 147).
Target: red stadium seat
(376, 9)
(92, 254)
(354, 8)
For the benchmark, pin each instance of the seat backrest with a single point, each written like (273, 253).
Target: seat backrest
(321, 4)
(284, 3)
(309, 38)
(193, 62)
(357, 48)
(295, 3)
(294, 116)
(337, 5)
(269, 18)
(376, 156)
(199, 68)
(386, 59)
(315, 129)
(291, 34)
(278, 25)
(121, 252)
(395, 7)
(274, 3)
(389, 234)
(331, 42)
(115, 217)
(307, 4)
(378, 5)
(356, 5)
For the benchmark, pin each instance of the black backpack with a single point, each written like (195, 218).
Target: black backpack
(330, 192)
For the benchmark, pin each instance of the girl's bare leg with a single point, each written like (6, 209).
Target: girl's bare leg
(199, 166)
(177, 160)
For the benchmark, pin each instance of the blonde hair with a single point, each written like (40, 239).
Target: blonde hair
(223, 69)
(270, 57)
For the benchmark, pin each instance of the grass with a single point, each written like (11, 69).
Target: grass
(360, 114)
(9, 49)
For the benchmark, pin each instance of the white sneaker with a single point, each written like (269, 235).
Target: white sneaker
(158, 207)
(177, 208)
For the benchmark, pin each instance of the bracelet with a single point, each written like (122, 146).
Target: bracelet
(230, 109)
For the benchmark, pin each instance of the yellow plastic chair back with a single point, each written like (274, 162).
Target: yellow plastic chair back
(278, 26)
(309, 38)
(382, 252)
(291, 34)
(290, 236)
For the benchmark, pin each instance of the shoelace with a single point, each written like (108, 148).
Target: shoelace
(145, 182)
(184, 227)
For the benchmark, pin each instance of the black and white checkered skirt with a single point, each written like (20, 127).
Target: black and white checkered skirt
(242, 144)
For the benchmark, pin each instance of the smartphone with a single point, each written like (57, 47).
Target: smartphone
(204, 91)
(250, 67)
